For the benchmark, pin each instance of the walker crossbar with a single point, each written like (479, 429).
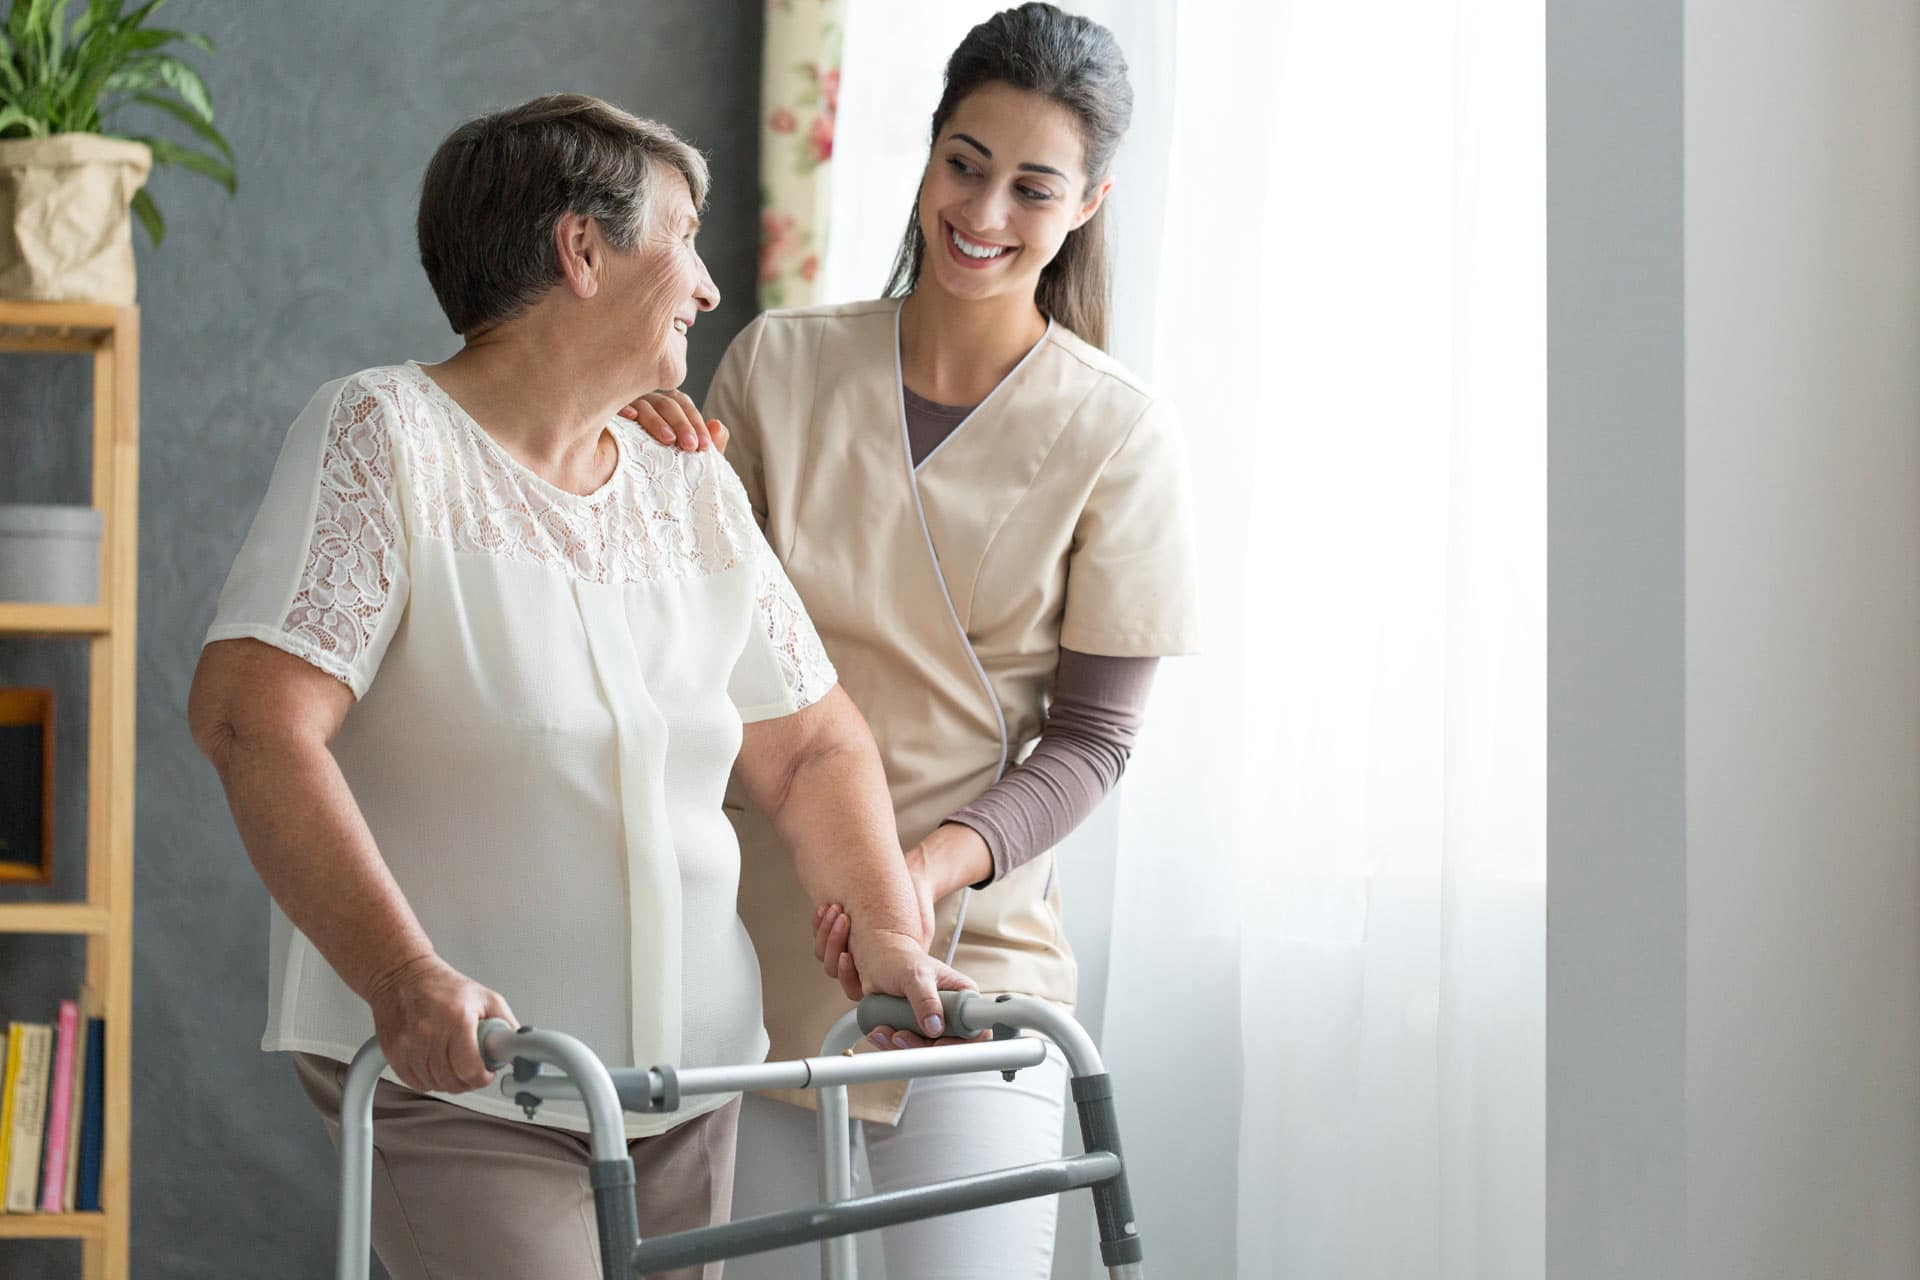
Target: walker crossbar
(819, 1222)
(647, 1090)
(660, 1089)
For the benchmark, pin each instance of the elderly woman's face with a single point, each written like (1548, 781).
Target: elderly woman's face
(662, 284)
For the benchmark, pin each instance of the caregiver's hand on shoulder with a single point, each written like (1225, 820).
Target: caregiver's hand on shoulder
(896, 964)
(427, 1015)
(671, 417)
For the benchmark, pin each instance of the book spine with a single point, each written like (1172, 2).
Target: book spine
(53, 1179)
(29, 1118)
(86, 1197)
(79, 1100)
(6, 1103)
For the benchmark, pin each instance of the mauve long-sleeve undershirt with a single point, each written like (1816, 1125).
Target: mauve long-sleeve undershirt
(1098, 704)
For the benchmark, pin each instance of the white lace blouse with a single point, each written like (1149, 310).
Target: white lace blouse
(550, 692)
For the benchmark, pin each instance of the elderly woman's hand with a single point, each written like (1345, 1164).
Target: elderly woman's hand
(832, 926)
(671, 417)
(831, 946)
(427, 1015)
(896, 964)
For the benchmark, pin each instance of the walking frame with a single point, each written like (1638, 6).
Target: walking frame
(840, 1215)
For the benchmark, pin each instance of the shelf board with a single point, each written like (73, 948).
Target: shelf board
(52, 917)
(52, 1226)
(56, 326)
(54, 619)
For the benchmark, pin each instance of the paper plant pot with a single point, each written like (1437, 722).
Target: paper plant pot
(65, 233)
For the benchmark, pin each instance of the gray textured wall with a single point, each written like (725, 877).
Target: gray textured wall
(249, 306)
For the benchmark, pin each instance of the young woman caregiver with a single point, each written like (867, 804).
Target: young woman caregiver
(985, 515)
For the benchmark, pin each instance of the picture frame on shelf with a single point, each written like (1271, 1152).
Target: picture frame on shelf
(26, 786)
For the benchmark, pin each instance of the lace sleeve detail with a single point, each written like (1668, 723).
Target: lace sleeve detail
(355, 557)
(806, 673)
(796, 645)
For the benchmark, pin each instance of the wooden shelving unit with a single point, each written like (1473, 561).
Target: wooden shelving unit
(111, 335)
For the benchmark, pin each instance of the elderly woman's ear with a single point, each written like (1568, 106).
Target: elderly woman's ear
(577, 246)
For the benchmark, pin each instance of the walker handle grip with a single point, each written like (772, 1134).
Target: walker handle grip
(489, 1028)
(895, 1012)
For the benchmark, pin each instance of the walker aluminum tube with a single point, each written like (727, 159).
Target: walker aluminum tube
(616, 1212)
(835, 1127)
(969, 1013)
(869, 1213)
(802, 1073)
(356, 1162)
(612, 1168)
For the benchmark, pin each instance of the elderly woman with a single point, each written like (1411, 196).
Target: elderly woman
(474, 688)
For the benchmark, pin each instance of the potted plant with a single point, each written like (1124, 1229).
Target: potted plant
(67, 181)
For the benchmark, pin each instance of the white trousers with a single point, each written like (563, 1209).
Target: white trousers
(952, 1125)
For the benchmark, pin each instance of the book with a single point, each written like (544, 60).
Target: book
(27, 1116)
(87, 1007)
(86, 1194)
(6, 1101)
(53, 1170)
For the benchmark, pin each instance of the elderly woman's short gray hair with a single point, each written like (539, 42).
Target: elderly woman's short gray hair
(497, 185)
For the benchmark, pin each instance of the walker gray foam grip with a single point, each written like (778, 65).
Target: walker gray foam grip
(895, 1012)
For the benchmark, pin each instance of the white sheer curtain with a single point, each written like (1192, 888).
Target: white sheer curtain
(1324, 954)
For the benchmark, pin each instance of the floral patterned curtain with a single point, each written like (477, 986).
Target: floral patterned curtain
(799, 95)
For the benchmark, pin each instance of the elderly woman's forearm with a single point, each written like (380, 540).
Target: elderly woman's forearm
(838, 821)
(818, 777)
(311, 847)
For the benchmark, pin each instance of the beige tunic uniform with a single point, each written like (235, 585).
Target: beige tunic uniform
(1055, 515)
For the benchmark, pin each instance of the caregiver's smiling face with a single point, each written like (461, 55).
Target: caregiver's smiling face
(1006, 182)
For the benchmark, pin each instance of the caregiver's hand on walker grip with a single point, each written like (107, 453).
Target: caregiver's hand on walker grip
(671, 417)
(425, 1012)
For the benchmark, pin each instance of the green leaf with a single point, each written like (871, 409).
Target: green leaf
(154, 37)
(130, 80)
(128, 21)
(14, 117)
(56, 35)
(183, 80)
(166, 152)
(206, 131)
(100, 16)
(40, 18)
(36, 22)
(151, 38)
(149, 214)
(8, 71)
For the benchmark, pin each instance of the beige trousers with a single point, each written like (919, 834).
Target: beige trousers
(462, 1196)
